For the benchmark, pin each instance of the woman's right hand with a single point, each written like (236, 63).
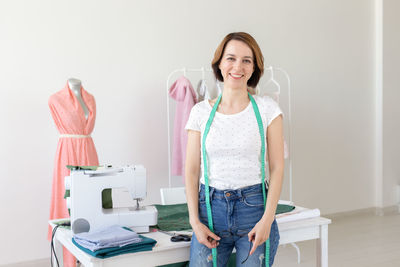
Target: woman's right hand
(205, 236)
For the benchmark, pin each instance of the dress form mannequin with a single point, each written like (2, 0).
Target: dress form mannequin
(75, 86)
(73, 110)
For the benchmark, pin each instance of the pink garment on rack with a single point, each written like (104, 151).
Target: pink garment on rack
(69, 118)
(182, 91)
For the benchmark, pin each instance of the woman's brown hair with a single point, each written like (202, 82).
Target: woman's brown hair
(258, 57)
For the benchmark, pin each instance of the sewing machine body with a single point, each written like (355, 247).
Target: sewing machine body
(85, 202)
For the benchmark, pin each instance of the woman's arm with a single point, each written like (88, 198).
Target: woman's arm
(260, 233)
(192, 171)
(276, 166)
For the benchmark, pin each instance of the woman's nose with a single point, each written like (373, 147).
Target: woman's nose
(238, 64)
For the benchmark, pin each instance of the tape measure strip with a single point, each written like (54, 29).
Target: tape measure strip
(261, 130)
(207, 188)
(205, 166)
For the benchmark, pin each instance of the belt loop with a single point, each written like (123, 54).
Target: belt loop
(211, 193)
(239, 192)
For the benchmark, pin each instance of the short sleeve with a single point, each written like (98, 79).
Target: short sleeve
(193, 122)
(272, 110)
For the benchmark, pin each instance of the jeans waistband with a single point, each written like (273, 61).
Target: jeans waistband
(241, 192)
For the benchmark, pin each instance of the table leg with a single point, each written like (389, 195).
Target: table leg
(322, 247)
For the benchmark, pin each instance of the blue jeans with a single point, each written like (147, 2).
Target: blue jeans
(235, 213)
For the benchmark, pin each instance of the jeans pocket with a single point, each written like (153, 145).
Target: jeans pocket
(254, 200)
(203, 213)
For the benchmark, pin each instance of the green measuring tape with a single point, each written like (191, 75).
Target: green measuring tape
(207, 188)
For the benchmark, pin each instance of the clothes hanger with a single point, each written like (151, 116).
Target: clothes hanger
(275, 93)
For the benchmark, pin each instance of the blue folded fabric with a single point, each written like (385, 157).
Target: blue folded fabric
(110, 236)
(147, 244)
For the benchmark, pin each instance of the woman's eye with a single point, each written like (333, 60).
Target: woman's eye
(247, 61)
(230, 58)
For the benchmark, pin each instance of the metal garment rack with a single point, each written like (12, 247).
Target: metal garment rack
(203, 71)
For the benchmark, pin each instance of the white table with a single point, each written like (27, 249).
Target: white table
(166, 252)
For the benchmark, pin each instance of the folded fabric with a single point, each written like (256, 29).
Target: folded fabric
(283, 208)
(146, 244)
(110, 236)
(75, 167)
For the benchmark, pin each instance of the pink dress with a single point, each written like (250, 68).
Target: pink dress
(70, 119)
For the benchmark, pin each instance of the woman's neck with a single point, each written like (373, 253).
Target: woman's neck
(234, 97)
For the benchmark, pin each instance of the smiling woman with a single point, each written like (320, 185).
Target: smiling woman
(226, 149)
(252, 56)
(236, 66)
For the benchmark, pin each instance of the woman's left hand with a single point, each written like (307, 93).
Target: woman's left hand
(259, 234)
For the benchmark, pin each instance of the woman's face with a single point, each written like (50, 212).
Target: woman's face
(237, 64)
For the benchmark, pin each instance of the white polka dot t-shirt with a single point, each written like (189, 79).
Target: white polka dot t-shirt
(233, 143)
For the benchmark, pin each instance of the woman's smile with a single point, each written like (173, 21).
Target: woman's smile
(236, 76)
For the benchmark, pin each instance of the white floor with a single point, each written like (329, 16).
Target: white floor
(363, 240)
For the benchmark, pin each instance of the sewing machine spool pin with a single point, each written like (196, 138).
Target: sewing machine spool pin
(137, 203)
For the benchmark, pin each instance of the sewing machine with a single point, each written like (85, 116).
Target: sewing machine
(85, 201)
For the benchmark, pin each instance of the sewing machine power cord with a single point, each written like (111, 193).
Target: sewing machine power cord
(52, 250)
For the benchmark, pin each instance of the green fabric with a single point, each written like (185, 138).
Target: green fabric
(232, 260)
(73, 167)
(107, 199)
(173, 217)
(147, 244)
(282, 208)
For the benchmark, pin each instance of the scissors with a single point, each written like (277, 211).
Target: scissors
(177, 238)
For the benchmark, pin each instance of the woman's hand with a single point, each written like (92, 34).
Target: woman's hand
(205, 236)
(259, 234)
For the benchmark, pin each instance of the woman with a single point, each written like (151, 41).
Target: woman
(233, 162)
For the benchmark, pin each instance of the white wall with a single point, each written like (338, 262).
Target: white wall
(391, 96)
(123, 52)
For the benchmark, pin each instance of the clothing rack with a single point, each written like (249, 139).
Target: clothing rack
(272, 80)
